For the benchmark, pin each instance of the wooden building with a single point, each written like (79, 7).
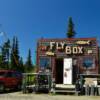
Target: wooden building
(68, 57)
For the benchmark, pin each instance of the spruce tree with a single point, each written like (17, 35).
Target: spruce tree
(29, 65)
(5, 55)
(3, 58)
(12, 54)
(15, 54)
(71, 32)
(22, 69)
(7, 50)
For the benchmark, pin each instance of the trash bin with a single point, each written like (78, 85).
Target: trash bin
(99, 91)
(96, 91)
(87, 90)
(92, 90)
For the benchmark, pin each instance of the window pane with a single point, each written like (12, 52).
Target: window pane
(9, 74)
(44, 62)
(88, 63)
(2, 74)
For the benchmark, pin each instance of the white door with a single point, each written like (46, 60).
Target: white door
(67, 71)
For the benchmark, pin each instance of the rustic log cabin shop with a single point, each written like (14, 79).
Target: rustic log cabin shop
(68, 57)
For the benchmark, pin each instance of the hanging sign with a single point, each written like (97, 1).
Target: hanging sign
(50, 53)
(83, 42)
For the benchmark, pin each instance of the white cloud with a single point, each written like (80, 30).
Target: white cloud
(1, 33)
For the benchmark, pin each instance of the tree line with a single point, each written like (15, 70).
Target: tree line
(10, 57)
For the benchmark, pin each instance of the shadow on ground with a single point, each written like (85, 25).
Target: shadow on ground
(10, 91)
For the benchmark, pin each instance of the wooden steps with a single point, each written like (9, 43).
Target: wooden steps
(61, 88)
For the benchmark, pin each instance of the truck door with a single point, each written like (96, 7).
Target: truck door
(10, 80)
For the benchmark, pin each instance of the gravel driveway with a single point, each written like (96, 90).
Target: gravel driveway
(20, 96)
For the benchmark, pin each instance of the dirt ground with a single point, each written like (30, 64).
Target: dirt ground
(20, 96)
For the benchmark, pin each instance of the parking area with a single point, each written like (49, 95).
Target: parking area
(21, 96)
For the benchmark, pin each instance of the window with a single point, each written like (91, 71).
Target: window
(18, 74)
(88, 63)
(2, 74)
(9, 74)
(44, 62)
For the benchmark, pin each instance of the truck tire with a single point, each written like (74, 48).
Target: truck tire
(19, 87)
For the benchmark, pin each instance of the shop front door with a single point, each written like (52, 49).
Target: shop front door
(67, 71)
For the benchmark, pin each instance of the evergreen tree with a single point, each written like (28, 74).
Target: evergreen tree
(12, 54)
(71, 32)
(28, 64)
(22, 69)
(3, 58)
(15, 54)
(7, 47)
(5, 55)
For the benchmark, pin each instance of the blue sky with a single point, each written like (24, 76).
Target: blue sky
(33, 19)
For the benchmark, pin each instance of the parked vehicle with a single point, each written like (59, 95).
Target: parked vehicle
(10, 79)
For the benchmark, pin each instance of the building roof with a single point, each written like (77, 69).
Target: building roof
(62, 39)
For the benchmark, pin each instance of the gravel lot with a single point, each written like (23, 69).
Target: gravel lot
(20, 96)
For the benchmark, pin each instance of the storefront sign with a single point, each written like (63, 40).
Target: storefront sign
(75, 47)
(89, 51)
(83, 42)
(50, 53)
(74, 50)
(52, 44)
(68, 49)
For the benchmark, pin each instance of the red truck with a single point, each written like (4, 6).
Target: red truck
(10, 79)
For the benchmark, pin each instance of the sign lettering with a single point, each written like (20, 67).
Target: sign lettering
(68, 49)
(51, 45)
(74, 50)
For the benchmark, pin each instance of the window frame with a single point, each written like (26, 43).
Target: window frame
(48, 64)
(93, 62)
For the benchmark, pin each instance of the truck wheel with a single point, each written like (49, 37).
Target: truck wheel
(2, 88)
(19, 87)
